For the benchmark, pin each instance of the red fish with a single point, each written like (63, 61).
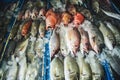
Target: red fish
(78, 19)
(26, 27)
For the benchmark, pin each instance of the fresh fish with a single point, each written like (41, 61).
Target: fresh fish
(21, 47)
(54, 43)
(61, 30)
(26, 28)
(57, 69)
(109, 38)
(14, 31)
(10, 49)
(22, 65)
(71, 69)
(110, 14)
(11, 73)
(30, 52)
(42, 28)
(32, 70)
(72, 38)
(39, 47)
(34, 13)
(96, 67)
(78, 19)
(95, 6)
(95, 36)
(66, 18)
(51, 19)
(84, 67)
(34, 27)
(76, 2)
(115, 31)
(85, 44)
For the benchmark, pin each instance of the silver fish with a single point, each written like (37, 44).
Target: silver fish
(30, 52)
(96, 67)
(110, 14)
(42, 28)
(84, 67)
(115, 31)
(76, 2)
(109, 38)
(56, 69)
(39, 47)
(54, 43)
(71, 69)
(34, 28)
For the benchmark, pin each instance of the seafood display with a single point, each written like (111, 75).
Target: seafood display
(77, 36)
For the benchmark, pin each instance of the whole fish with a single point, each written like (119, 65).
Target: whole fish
(84, 67)
(115, 31)
(34, 28)
(42, 28)
(71, 69)
(109, 38)
(61, 30)
(85, 44)
(95, 6)
(32, 70)
(110, 14)
(56, 69)
(54, 43)
(95, 36)
(96, 67)
(22, 64)
(12, 69)
(26, 27)
(72, 38)
(39, 47)
(66, 18)
(30, 52)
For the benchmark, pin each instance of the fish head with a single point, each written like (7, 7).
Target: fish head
(66, 18)
(71, 9)
(27, 14)
(42, 12)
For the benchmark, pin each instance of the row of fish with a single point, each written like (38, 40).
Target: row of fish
(77, 68)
